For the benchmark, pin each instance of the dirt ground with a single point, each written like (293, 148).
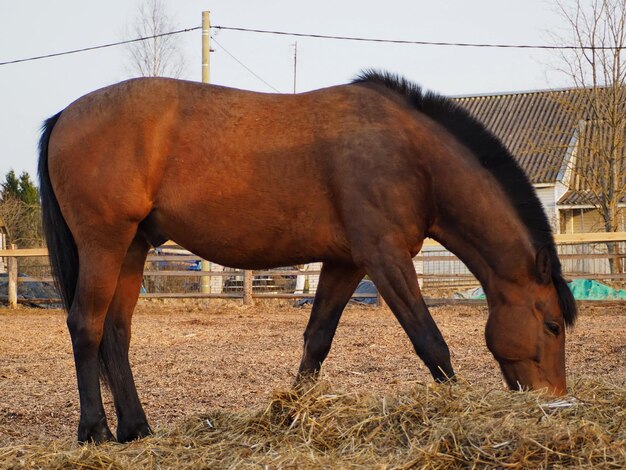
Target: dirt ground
(193, 356)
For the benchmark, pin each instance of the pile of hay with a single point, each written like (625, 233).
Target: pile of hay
(443, 426)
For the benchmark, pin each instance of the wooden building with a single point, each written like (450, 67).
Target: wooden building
(545, 130)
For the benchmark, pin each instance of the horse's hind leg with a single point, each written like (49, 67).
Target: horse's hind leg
(100, 264)
(131, 419)
(392, 271)
(336, 285)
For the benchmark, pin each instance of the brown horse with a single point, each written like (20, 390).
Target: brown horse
(355, 176)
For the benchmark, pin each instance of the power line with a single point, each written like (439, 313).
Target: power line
(421, 43)
(92, 48)
(242, 64)
(319, 36)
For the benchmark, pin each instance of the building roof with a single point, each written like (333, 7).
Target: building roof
(582, 198)
(601, 152)
(576, 198)
(537, 127)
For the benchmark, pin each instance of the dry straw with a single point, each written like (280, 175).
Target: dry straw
(426, 426)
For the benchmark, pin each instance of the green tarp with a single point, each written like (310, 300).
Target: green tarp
(583, 289)
(586, 289)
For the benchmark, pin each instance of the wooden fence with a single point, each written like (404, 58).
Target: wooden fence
(246, 279)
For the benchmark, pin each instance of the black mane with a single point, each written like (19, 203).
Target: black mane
(495, 157)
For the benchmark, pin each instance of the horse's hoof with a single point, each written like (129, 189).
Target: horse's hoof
(131, 433)
(444, 379)
(96, 434)
(305, 382)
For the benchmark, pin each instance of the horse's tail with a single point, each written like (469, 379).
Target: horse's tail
(62, 249)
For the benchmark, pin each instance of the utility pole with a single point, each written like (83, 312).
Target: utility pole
(295, 65)
(205, 285)
(205, 265)
(206, 46)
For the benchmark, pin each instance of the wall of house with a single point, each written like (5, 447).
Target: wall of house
(585, 220)
(547, 196)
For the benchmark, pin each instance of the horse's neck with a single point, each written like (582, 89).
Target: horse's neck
(482, 228)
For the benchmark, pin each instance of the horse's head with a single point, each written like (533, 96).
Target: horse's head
(526, 330)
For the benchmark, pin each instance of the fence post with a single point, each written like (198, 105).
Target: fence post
(247, 287)
(12, 284)
(380, 302)
(205, 281)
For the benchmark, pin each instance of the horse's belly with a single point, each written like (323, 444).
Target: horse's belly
(254, 239)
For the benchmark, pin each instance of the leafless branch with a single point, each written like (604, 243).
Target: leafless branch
(160, 56)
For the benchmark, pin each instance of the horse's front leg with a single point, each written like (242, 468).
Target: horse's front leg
(390, 267)
(337, 282)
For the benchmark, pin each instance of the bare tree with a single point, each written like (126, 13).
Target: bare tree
(20, 211)
(160, 56)
(21, 222)
(598, 69)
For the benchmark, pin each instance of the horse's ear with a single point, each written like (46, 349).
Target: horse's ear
(543, 264)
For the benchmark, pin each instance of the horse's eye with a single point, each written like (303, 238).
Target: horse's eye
(553, 327)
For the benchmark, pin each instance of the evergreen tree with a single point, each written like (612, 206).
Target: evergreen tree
(28, 192)
(10, 186)
(21, 188)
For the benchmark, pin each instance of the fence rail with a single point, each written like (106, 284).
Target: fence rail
(242, 283)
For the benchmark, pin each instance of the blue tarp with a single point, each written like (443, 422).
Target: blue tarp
(364, 287)
(31, 290)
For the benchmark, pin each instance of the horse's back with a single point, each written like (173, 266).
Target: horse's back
(272, 173)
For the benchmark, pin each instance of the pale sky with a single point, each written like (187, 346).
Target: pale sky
(32, 91)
